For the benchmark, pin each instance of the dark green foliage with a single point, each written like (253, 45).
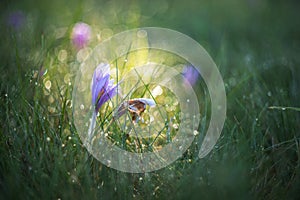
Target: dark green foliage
(255, 45)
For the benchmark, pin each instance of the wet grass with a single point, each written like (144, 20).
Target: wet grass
(255, 46)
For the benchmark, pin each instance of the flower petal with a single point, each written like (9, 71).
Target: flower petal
(104, 67)
(97, 75)
(108, 94)
(123, 107)
(101, 70)
(134, 108)
(81, 35)
(100, 85)
(147, 101)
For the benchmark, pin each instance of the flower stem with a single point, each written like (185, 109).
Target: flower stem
(92, 126)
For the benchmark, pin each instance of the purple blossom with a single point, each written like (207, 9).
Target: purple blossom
(16, 19)
(103, 88)
(81, 35)
(190, 75)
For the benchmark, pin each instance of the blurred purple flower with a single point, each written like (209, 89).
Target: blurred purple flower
(102, 86)
(16, 19)
(190, 75)
(81, 35)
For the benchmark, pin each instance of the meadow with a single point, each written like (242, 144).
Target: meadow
(255, 45)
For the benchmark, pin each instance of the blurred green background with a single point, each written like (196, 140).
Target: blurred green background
(255, 45)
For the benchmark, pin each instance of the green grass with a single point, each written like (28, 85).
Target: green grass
(255, 46)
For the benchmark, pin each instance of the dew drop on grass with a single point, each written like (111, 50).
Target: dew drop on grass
(108, 163)
(69, 103)
(195, 132)
(269, 93)
(157, 91)
(48, 84)
(283, 108)
(175, 103)
(81, 107)
(175, 126)
(48, 139)
(151, 119)
(62, 93)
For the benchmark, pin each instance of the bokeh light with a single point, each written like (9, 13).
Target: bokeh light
(255, 45)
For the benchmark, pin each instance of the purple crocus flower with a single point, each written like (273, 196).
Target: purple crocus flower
(190, 75)
(81, 35)
(103, 90)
